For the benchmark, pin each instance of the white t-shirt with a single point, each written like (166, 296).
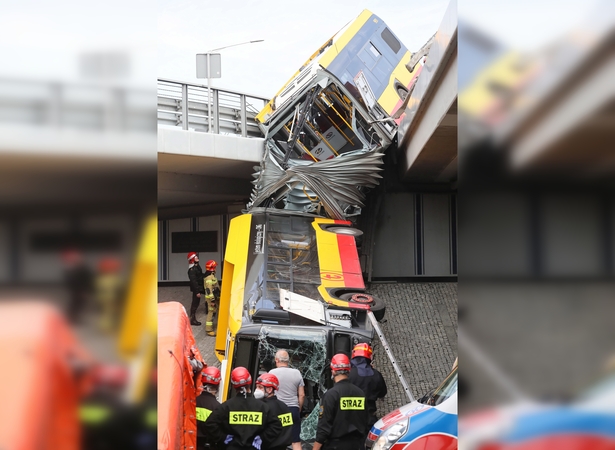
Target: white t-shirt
(290, 379)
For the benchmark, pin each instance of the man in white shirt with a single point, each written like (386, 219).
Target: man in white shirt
(291, 391)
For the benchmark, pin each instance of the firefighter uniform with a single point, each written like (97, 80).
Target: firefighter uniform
(342, 420)
(239, 420)
(206, 403)
(281, 411)
(212, 294)
(371, 383)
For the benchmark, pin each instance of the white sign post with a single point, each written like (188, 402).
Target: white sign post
(208, 65)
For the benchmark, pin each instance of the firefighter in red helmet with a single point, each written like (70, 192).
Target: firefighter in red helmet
(267, 385)
(368, 379)
(243, 422)
(342, 422)
(206, 403)
(212, 295)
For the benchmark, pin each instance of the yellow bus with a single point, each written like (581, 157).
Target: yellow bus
(347, 98)
(291, 281)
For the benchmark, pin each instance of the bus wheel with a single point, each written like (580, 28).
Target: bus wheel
(377, 305)
(345, 230)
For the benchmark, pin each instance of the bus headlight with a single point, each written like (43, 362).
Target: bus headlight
(391, 435)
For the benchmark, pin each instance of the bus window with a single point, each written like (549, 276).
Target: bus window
(391, 40)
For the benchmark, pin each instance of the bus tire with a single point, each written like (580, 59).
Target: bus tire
(350, 231)
(378, 307)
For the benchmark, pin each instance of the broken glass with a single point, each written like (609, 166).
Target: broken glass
(307, 351)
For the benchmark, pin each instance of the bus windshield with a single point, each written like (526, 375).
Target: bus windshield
(307, 351)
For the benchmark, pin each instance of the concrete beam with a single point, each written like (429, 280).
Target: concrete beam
(432, 117)
(187, 142)
(202, 184)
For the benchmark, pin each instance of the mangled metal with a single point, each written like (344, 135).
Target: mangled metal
(323, 149)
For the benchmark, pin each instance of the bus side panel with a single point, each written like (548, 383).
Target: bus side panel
(223, 310)
(342, 41)
(325, 54)
(339, 262)
(233, 282)
(368, 52)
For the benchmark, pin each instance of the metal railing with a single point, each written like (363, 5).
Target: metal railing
(94, 107)
(186, 105)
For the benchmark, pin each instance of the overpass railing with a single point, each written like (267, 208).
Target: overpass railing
(186, 105)
(85, 106)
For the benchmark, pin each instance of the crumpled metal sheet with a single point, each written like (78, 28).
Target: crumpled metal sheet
(336, 183)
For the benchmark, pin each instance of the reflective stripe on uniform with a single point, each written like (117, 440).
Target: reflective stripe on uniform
(93, 413)
(286, 419)
(245, 418)
(352, 403)
(202, 414)
(151, 417)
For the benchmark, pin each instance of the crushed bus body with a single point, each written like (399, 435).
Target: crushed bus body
(327, 128)
(291, 281)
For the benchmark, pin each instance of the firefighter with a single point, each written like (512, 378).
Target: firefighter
(243, 422)
(267, 385)
(368, 379)
(342, 419)
(206, 403)
(212, 295)
(195, 274)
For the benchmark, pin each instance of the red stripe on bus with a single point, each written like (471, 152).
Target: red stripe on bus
(350, 261)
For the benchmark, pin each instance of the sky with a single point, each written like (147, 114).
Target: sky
(291, 31)
(43, 40)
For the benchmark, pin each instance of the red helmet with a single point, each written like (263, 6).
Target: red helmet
(211, 265)
(211, 375)
(362, 349)
(240, 377)
(340, 363)
(268, 379)
(191, 256)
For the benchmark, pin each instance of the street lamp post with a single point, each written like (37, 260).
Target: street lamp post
(204, 68)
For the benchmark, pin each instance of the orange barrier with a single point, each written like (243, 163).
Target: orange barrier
(44, 374)
(178, 383)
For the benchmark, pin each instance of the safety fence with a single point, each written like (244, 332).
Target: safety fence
(195, 107)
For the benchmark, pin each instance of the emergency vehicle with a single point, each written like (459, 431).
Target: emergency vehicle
(428, 423)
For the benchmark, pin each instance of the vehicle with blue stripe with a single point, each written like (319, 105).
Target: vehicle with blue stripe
(586, 423)
(427, 424)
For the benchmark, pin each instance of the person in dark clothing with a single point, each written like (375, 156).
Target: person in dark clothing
(206, 403)
(266, 387)
(79, 281)
(368, 379)
(242, 422)
(342, 421)
(195, 274)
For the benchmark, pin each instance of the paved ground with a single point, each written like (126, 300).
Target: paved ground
(548, 339)
(420, 327)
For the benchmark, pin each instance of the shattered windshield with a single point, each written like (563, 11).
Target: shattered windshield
(308, 352)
